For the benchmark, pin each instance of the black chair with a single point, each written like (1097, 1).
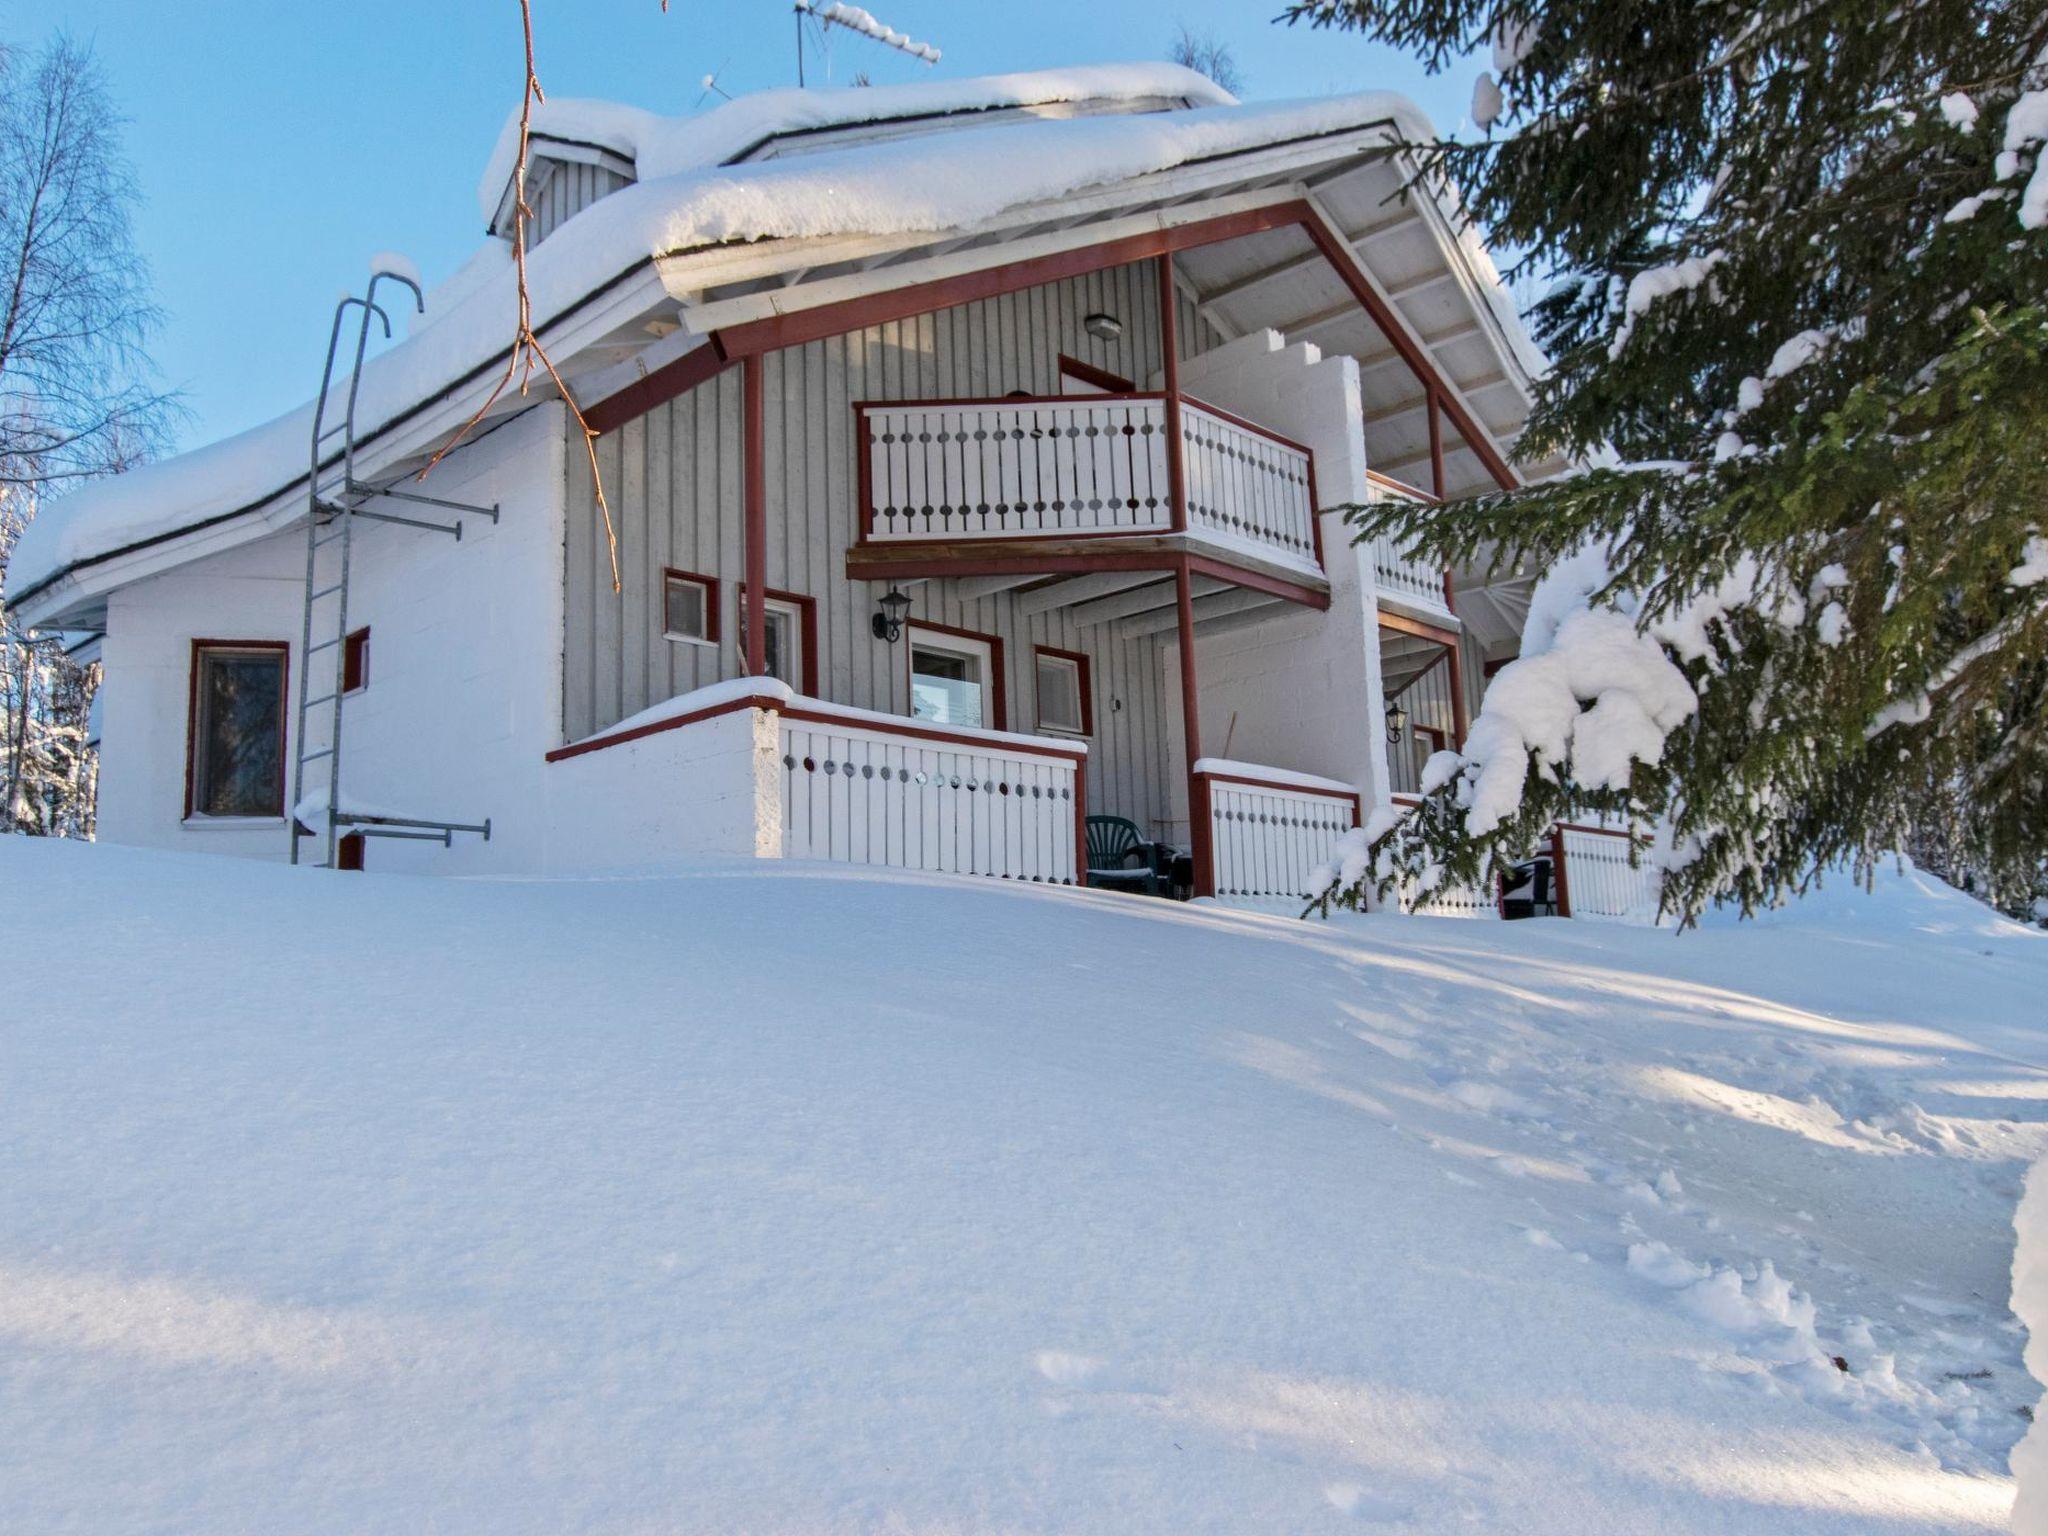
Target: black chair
(1112, 843)
(1528, 893)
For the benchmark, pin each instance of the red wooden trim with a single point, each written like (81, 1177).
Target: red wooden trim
(1085, 683)
(1436, 443)
(1374, 477)
(1250, 426)
(1081, 822)
(1258, 581)
(1558, 879)
(994, 643)
(355, 660)
(1458, 721)
(1257, 783)
(864, 475)
(1576, 826)
(1401, 623)
(711, 599)
(1101, 378)
(807, 625)
(1411, 352)
(921, 731)
(911, 728)
(998, 564)
(1169, 353)
(671, 379)
(1033, 537)
(284, 713)
(1315, 516)
(793, 329)
(1199, 842)
(755, 458)
(1020, 400)
(672, 723)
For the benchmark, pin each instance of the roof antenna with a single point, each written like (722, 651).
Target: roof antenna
(827, 12)
(710, 84)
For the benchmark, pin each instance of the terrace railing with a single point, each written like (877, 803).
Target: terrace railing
(1078, 467)
(861, 790)
(1269, 828)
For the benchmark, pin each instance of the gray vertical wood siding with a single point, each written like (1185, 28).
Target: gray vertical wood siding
(566, 191)
(674, 480)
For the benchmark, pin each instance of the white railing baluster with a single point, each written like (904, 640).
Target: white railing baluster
(1068, 466)
(1270, 829)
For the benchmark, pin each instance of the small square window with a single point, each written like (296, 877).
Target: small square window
(689, 608)
(1063, 702)
(355, 660)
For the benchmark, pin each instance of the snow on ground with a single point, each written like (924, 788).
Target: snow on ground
(801, 1199)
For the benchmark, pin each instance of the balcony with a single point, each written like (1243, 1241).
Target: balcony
(1403, 582)
(1080, 473)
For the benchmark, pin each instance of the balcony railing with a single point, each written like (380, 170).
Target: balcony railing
(1080, 466)
(1451, 901)
(1596, 877)
(1269, 829)
(861, 790)
(1248, 484)
(1413, 583)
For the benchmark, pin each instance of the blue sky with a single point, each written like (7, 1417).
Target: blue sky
(279, 146)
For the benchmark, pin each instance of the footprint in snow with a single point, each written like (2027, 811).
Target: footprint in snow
(1065, 1369)
(1350, 1499)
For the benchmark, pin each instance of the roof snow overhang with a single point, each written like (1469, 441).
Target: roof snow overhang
(622, 300)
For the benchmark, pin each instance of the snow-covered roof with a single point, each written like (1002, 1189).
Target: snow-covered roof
(685, 201)
(662, 146)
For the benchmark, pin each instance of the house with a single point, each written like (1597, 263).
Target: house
(970, 453)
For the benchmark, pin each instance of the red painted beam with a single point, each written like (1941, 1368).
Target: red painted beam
(804, 325)
(756, 553)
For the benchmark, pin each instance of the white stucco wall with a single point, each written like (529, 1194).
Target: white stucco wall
(465, 668)
(708, 789)
(1299, 689)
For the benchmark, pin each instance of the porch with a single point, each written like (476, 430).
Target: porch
(752, 769)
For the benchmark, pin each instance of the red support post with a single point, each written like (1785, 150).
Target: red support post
(1169, 352)
(756, 552)
(1561, 886)
(1436, 443)
(1458, 720)
(1191, 734)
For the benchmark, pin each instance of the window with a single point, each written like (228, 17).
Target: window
(792, 633)
(689, 608)
(235, 761)
(1064, 702)
(355, 660)
(956, 677)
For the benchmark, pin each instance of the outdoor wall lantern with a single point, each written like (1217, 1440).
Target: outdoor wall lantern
(1104, 327)
(1397, 721)
(888, 620)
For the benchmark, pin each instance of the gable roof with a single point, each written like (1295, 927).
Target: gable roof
(693, 211)
(782, 120)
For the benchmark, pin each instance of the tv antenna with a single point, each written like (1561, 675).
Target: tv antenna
(710, 86)
(825, 14)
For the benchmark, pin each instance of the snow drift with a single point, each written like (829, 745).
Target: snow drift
(799, 1198)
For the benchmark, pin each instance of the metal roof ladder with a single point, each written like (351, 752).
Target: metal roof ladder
(336, 502)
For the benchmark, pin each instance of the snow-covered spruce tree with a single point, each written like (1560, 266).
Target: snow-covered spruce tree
(1800, 335)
